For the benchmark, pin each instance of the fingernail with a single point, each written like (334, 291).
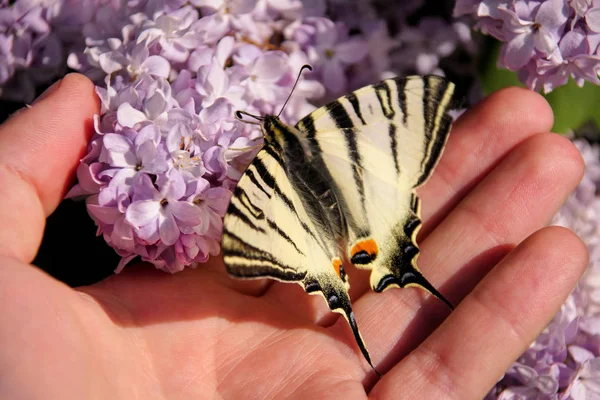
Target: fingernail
(47, 92)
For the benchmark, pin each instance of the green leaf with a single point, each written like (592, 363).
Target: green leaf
(574, 106)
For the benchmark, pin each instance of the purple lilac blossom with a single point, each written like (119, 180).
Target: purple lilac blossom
(546, 41)
(564, 361)
(171, 73)
(34, 39)
(30, 51)
(167, 150)
(403, 39)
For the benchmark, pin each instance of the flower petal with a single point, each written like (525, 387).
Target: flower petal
(168, 229)
(157, 66)
(351, 51)
(106, 215)
(119, 151)
(188, 214)
(271, 66)
(334, 77)
(142, 212)
(128, 116)
(518, 51)
(592, 17)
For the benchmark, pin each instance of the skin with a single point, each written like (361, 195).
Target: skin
(199, 334)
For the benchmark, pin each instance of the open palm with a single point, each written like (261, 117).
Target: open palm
(199, 334)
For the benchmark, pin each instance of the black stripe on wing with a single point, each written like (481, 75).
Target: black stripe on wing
(284, 235)
(392, 132)
(245, 201)
(235, 211)
(400, 87)
(270, 179)
(384, 96)
(434, 91)
(250, 174)
(236, 247)
(356, 106)
(342, 120)
(264, 175)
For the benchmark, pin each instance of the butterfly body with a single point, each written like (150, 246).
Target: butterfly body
(340, 185)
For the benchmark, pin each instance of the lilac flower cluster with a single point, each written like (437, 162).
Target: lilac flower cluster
(403, 47)
(30, 50)
(170, 73)
(167, 150)
(564, 361)
(546, 41)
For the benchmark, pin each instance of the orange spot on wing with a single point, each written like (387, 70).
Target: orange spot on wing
(369, 246)
(337, 265)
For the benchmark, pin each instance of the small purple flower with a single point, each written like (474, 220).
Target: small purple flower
(266, 71)
(333, 51)
(108, 210)
(221, 16)
(174, 33)
(138, 62)
(213, 82)
(127, 158)
(168, 151)
(423, 46)
(545, 41)
(155, 106)
(532, 26)
(533, 383)
(571, 61)
(586, 383)
(159, 214)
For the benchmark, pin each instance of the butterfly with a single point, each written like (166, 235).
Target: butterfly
(340, 186)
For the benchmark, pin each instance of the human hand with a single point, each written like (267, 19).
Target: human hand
(199, 334)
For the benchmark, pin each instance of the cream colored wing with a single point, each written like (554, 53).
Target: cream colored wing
(376, 146)
(268, 233)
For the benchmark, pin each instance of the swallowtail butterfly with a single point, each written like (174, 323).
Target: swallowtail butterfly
(340, 185)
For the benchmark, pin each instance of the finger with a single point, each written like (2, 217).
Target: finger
(496, 323)
(513, 201)
(479, 140)
(39, 149)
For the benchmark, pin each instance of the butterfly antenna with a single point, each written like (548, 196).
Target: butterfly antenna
(305, 66)
(238, 116)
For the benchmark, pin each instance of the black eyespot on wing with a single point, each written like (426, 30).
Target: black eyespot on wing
(362, 258)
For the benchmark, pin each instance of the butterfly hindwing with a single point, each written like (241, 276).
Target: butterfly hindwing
(376, 146)
(271, 231)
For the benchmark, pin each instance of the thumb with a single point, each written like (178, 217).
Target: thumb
(39, 150)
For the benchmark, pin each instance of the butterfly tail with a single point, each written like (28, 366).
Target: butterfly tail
(401, 270)
(408, 278)
(334, 290)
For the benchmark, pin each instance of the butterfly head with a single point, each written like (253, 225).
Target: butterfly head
(275, 132)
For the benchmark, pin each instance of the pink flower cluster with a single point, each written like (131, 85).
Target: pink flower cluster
(546, 41)
(168, 151)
